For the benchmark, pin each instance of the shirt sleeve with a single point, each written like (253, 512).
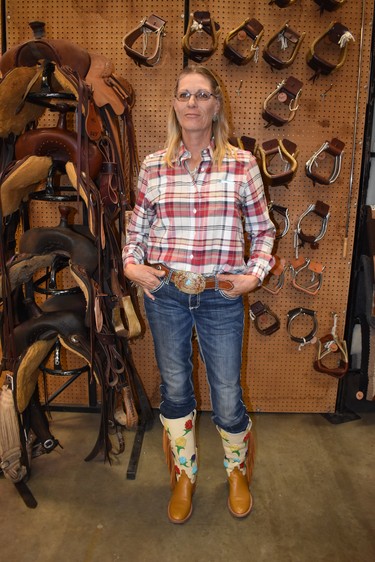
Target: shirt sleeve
(258, 224)
(138, 229)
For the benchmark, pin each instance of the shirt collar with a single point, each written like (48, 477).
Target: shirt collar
(207, 153)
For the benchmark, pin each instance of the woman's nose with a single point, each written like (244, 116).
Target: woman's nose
(192, 100)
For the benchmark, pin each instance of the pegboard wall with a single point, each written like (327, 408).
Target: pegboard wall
(277, 376)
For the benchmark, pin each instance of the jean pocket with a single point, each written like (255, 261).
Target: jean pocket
(158, 287)
(229, 297)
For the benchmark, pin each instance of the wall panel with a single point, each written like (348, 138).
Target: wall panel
(276, 375)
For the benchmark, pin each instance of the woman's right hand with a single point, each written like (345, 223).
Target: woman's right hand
(145, 276)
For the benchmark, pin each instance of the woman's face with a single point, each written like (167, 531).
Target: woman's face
(196, 115)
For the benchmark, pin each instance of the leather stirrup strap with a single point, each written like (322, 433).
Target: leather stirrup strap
(151, 25)
(334, 149)
(287, 94)
(289, 43)
(201, 22)
(251, 29)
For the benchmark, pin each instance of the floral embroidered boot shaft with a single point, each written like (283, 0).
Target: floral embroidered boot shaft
(181, 435)
(236, 446)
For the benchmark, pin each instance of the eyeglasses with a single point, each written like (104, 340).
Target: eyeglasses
(201, 95)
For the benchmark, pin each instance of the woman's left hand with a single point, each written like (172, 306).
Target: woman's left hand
(242, 284)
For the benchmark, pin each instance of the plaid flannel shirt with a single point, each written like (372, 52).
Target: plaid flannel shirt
(199, 225)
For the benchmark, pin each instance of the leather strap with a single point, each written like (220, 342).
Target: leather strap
(335, 149)
(287, 93)
(259, 310)
(329, 5)
(153, 24)
(245, 143)
(284, 149)
(201, 22)
(289, 40)
(282, 3)
(338, 35)
(250, 28)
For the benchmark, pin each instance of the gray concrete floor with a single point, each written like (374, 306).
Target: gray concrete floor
(313, 490)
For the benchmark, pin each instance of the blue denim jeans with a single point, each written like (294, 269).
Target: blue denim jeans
(219, 324)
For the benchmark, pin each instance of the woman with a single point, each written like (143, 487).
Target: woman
(186, 249)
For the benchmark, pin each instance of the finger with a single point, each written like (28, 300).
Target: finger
(150, 295)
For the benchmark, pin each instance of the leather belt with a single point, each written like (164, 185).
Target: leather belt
(329, 5)
(153, 24)
(335, 149)
(287, 39)
(251, 28)
(201, 22)
(285, 150)
(259, 310)
(287, 93)
(338, 35)
(193, 283)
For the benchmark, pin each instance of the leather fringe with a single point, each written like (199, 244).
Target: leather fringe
(250, 459)
(169, 458)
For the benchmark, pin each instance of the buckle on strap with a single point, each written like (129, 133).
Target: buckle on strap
(334, 149)
(250, 28)
(289, 41)
(152, 24)
(189, 282)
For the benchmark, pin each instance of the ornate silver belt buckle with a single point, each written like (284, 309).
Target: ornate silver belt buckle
(189, 282)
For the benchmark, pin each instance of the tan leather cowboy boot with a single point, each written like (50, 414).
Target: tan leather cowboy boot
(181, 455)
(238, 460)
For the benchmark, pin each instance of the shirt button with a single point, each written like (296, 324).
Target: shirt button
(194, 210)
(191, 256)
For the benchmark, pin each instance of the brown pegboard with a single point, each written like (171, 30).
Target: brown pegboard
(276, 376)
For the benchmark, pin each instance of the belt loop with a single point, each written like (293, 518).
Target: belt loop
(216, 283)
(168, 277)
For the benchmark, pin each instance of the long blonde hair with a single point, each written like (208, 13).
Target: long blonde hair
(220, 126)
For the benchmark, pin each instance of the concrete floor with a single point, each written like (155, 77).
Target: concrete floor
(313, 488)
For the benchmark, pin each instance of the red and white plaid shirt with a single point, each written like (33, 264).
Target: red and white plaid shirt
(199, 225)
